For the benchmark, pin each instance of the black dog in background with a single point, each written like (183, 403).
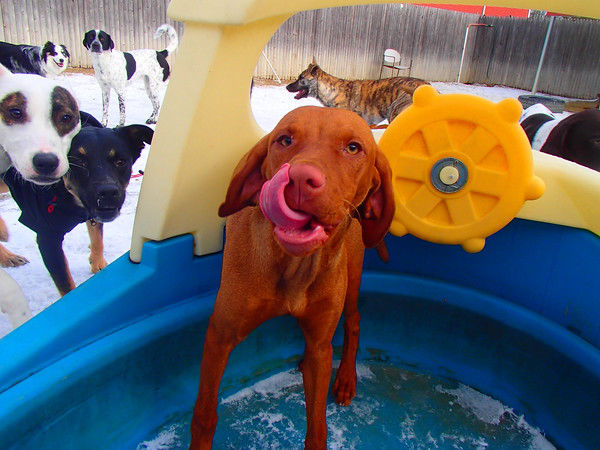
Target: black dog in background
(575, 138)
(92, 191)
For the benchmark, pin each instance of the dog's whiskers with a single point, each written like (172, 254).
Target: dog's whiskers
(74, 164)
(351, 210)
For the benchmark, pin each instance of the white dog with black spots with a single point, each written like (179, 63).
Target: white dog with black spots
(116, 69)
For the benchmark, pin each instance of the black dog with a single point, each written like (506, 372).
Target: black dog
(92, 191)
(49, 60)
(575, 138)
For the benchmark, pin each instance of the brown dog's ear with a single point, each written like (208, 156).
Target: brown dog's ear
(377, 210)
(247, 180)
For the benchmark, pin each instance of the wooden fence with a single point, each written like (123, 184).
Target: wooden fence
(349, 41)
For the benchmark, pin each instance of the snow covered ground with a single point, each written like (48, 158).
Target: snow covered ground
(269, 104)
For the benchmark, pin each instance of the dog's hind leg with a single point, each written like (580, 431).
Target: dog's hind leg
(105, 101)
(121, 97)
(152, 91)
(97, 261)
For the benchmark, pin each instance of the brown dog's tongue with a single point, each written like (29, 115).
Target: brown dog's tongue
(272, 202)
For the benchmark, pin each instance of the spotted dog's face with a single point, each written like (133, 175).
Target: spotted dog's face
(38, 119)
(98, 41)
(100, 167)
(55, 57)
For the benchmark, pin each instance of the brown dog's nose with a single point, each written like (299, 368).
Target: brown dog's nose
(307, 178)
(306, 181)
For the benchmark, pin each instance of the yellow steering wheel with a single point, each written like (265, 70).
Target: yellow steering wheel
(462, 167)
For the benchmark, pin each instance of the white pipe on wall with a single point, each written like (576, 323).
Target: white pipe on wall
(462, 57)
(543, 54)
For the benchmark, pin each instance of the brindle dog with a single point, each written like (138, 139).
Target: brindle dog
(373, 100)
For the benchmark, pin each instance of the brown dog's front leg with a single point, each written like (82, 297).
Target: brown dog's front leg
(214, 360)
(95, 231)
(316, 375)
(344, 387)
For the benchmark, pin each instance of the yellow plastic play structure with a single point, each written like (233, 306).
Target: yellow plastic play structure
(206, 125)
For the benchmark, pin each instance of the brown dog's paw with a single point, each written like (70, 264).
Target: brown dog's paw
(97, 264)
(10, 259)
(344, 388)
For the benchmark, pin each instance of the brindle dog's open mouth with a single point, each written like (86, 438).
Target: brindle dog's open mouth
(302, 92)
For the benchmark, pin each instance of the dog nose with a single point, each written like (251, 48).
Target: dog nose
(307, 178)
(107, 194)
(45, 163)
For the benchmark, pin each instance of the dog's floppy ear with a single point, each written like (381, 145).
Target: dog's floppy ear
(88, 38)
(48, 48)
(111, 43)
(377, 210)
(136, 136)
(247, 180)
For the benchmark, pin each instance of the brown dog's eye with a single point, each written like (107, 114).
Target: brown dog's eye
(15, 113)
(66, 118)
(353, 148)
(285, 140)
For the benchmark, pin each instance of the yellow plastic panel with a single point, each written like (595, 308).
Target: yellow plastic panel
(462, 167)
(206, 122)
(205, 125)
(572, 194)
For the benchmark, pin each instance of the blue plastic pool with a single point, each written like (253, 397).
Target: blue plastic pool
(115, 363)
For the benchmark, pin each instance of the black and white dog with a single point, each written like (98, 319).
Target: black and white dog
(38, 120)
(115, 69)
(575, 137)
(48, 61)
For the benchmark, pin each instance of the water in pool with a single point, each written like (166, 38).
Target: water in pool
(394, 408)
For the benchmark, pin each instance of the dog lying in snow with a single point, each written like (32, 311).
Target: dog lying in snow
(49, 60)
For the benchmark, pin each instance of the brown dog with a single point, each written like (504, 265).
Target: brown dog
(373, 100)
(325, 194)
